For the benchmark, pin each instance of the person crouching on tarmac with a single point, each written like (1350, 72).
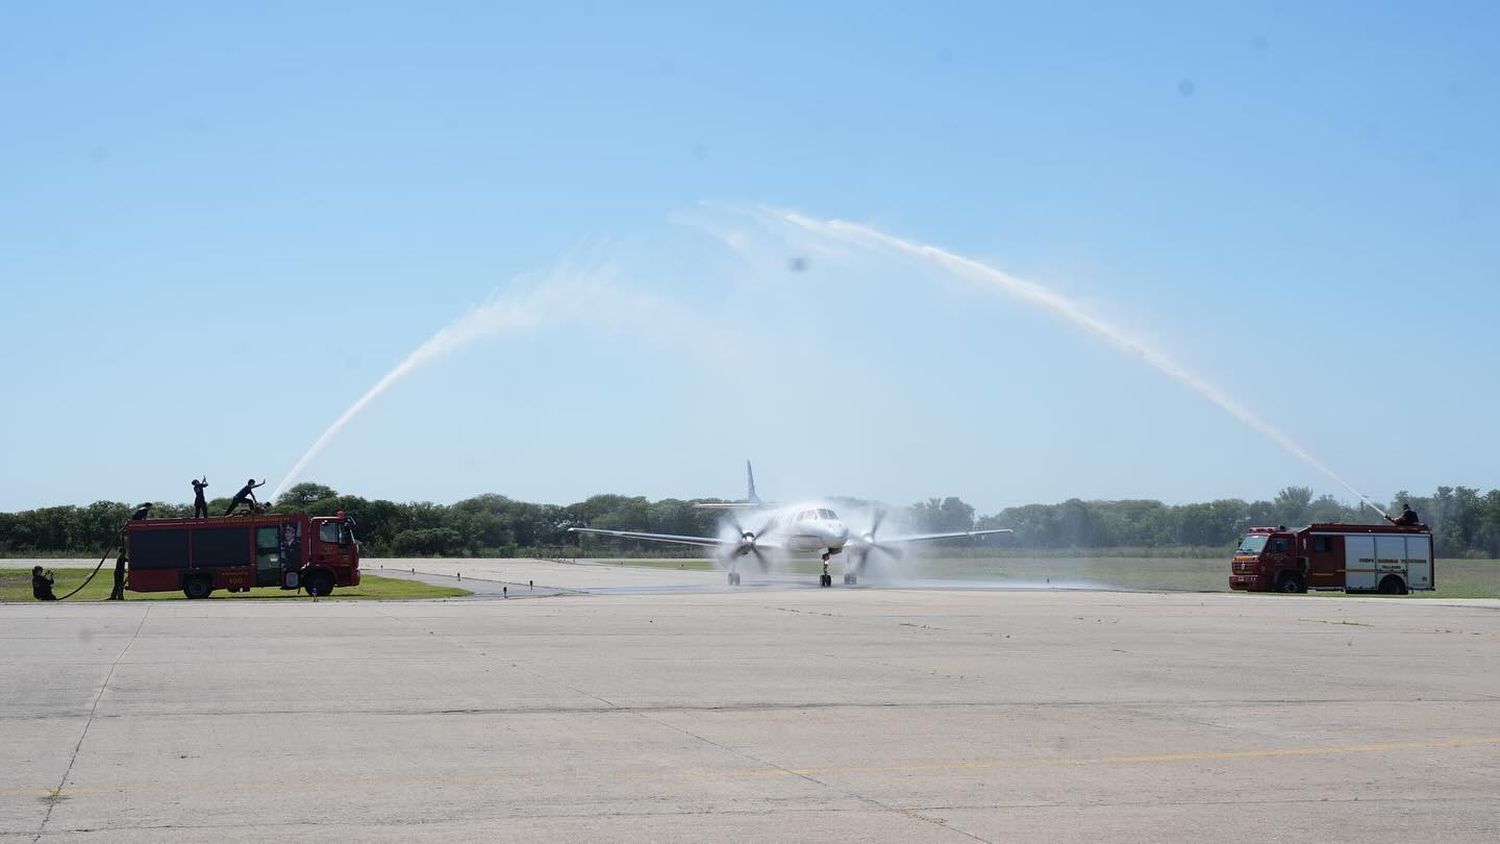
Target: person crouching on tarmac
(41, 584)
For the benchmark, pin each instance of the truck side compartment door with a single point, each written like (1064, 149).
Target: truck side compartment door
(1419, 567)
(1325, 560)
(1359, 563)
(1390, 557)
(267, 555)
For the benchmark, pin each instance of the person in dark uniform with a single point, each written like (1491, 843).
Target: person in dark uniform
(119, 591)
(246, 495)
(346, 527)
(1408, 516)
(200, 504)
(141, 513)
(41, 584)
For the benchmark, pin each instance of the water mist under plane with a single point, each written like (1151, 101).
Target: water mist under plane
(1029, 291)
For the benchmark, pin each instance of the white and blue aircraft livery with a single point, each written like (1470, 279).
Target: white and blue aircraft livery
(791, 532)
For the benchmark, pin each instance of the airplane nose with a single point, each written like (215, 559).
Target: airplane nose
(840, 532)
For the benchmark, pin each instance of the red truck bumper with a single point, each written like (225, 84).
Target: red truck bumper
(1247, 582)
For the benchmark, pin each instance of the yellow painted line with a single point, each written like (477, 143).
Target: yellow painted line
(1148, 759)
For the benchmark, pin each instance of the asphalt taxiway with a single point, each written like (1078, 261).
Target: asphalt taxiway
(669, 710)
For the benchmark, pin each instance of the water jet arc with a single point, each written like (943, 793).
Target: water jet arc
(1036, 294)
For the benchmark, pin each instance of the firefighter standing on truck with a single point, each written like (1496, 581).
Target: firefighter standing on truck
(244, 496)
(200, 505)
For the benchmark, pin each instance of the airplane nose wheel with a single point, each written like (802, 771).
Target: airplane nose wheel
(826, 579)
(734, 578)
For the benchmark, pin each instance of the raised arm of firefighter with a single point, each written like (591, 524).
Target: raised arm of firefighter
(200, 504)
(244, 496)
(253, 487)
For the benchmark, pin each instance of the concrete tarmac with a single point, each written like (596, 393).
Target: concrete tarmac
(753, 714)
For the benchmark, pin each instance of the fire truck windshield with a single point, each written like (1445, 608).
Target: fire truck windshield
(1252, 544)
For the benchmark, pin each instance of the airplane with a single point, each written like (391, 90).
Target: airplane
(802, 530)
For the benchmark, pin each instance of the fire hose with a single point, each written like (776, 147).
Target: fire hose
(92, 574)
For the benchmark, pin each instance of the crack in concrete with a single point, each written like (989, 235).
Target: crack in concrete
(56, 796)
(1481, 699)
(803, 775)
(1152, 804)
(470, 649)
(643, 713)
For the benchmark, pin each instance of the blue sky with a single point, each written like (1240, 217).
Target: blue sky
(220, 226)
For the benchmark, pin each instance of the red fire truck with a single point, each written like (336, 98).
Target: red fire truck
(1389, 559)
(289, 550)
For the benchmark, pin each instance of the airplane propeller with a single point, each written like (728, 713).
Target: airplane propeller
(747, 546)
(872, 545)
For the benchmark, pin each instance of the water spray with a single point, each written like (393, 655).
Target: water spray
(994, 279)
(564, 296)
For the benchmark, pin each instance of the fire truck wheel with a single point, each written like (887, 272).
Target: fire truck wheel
(198, 587)
(318, 584)
(1392, 585)
(1292, 583)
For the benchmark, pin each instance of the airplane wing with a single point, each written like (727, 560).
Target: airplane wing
(702, 541)
(859, 542)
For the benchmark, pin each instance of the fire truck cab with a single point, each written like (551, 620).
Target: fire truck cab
(288, 550)
(1388, 559)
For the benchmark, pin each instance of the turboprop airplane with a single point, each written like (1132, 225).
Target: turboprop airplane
(792, 532)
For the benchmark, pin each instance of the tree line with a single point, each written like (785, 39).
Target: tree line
(1465, 522)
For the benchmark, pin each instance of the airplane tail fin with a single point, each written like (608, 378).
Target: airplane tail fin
(752, 500)
(750, 495)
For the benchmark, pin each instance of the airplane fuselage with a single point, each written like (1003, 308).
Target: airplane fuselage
(805, 531)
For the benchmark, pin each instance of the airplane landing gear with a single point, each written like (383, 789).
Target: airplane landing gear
(826, 579)
(734, 578)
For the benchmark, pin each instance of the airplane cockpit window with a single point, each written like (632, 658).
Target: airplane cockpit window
(828, 515)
